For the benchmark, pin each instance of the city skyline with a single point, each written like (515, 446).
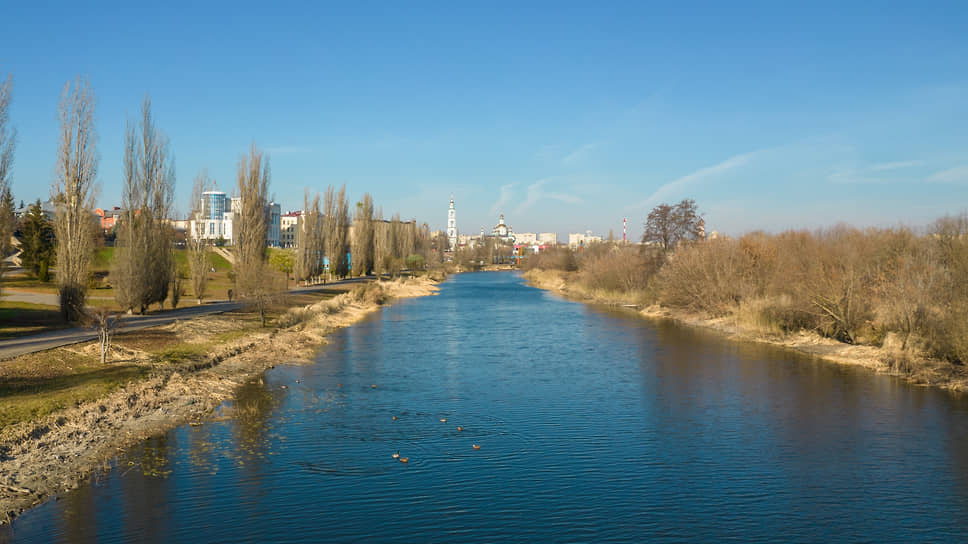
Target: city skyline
(562, 117)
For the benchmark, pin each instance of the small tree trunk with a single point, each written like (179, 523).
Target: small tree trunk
(104, 347)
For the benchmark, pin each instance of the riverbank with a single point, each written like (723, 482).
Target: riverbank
(184, 371)
(886, 359)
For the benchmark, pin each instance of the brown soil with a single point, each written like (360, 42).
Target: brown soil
(41, 458)
(886, 359)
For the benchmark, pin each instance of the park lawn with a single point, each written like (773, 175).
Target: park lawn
(38, 384)
(29, 284)
(102, 259)
(23, 318)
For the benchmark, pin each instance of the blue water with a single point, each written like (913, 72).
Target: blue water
(593, 427)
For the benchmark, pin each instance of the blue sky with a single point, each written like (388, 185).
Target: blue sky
(563, 116)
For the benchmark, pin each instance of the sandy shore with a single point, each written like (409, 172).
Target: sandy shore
(916, 370)
(41, 458)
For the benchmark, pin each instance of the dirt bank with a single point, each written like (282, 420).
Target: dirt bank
(41, 458)
(887, 359)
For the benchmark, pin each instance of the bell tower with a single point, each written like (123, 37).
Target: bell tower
(452, 224)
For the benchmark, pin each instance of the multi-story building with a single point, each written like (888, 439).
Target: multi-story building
(548, 238)
(273, 231)
(214, 220)
(525, 238)
(47, 208)
(579, 240)
(218, 213)
(289, 228)
(108, 218)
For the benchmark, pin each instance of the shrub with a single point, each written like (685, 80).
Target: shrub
(618, 268)
(713, 276)
(556, 258)
(369, 293)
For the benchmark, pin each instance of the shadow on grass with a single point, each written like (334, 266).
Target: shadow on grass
(24, 398)
(107, 375)
(22, 319)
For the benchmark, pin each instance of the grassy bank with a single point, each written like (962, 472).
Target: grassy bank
(891, 299)
(22, 318)
(65, 415)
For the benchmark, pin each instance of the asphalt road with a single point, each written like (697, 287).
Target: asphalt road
(23, 345)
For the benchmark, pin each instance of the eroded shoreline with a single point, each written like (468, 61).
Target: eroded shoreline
(56, 453)
(925, 371)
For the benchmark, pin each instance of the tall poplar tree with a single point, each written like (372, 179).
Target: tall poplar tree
(362, 251)
(8, 137)
(144, 259)
(73, 193)
(253, 280)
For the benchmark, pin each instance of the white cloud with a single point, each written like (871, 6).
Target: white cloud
(885, 166)
(677, 186)
(851, 176)
(537, 193)
(507, 192)
(579, 154)
(958, 174)
(861, 174)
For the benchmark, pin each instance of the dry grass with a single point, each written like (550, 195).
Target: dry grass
(854, 287)
(22, 318)
(38, 384)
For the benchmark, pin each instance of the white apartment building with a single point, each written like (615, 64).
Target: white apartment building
(290, 224)
(548, 238)
(525, 238)
(217, 215)
(576, 240)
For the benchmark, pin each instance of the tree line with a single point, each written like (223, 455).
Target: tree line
(890, 287)
(143, 269)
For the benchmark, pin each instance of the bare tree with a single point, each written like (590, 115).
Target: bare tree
(328, 220)
(381, 244)
(408, 239)
(363, 236)
(144, 257)
(342, 234)
(668, 225)
(105, 322)
(336, 221)
(311, 241)
(8, 140)
(73, 192)
(197, 247)
(252, 278)
(394, 246)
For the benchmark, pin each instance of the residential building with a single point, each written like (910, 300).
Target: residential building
(525, 238)
(46, 207)
(218, 214)
(273, 231)
(108, 218)
(579, 240)
(289, 227)
(548, 238)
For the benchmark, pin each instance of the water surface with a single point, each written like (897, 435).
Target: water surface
(593, 427)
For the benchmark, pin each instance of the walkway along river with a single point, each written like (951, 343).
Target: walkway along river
(591, 426)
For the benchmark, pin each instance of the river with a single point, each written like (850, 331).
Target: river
(592, 426)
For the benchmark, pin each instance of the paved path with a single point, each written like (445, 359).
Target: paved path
(15, 347)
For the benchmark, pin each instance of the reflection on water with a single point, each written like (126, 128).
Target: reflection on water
(592, 426)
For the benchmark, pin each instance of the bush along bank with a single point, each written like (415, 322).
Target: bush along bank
(891, 299)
